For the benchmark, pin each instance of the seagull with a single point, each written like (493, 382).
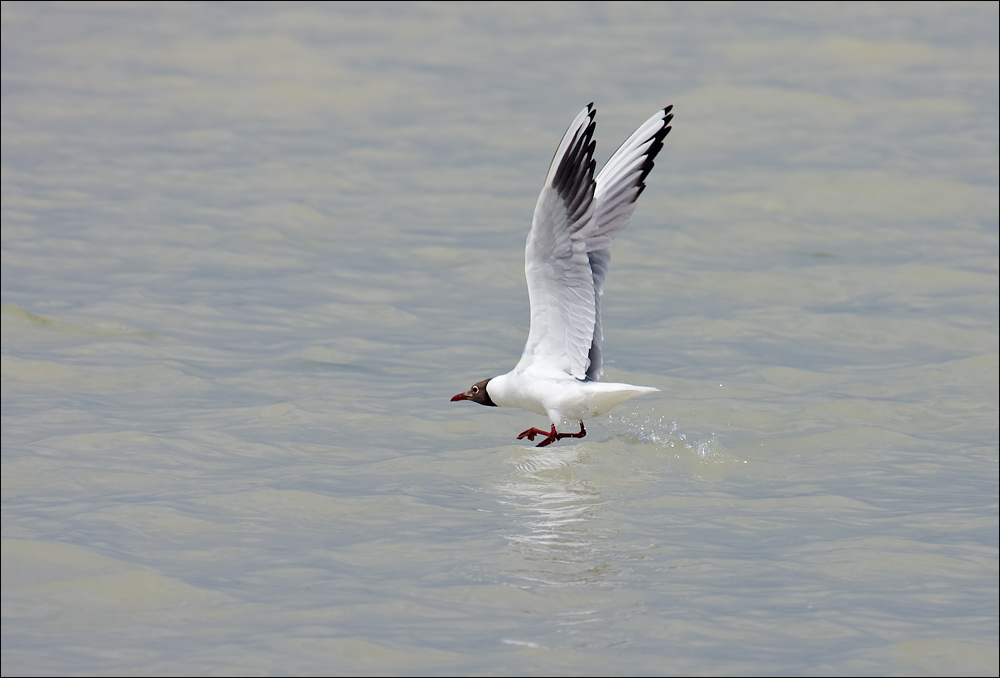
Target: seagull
(565, 263)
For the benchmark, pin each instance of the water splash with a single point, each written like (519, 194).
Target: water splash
(665, 432)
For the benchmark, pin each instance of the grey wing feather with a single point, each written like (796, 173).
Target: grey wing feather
(599, 261)
(618, 186)
(556, 265)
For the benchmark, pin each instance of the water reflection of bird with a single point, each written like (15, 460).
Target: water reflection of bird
(565, 262)
(553, 540)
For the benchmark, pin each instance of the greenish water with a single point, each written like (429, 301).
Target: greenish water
(250, 251)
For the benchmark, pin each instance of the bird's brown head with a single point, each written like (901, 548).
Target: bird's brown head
(477, 394)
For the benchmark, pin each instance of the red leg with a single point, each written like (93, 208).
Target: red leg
(552, 436)
(560, 436)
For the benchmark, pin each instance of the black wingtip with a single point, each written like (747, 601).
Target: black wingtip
(574, 177)
(655, 148)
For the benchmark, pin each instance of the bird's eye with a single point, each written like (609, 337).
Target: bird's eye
(475, 389)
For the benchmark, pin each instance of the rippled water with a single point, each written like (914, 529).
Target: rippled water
(250, 251)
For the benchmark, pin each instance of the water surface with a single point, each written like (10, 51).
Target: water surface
(250, 251)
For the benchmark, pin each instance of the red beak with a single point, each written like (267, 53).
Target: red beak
(460, 396)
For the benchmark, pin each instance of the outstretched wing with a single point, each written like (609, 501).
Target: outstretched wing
(566, 257)
(618, 187)
(556, 265)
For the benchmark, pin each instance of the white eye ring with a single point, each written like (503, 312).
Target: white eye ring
(475, 389)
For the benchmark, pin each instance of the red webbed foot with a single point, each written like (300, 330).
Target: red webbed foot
(550, 436)
(532, 432)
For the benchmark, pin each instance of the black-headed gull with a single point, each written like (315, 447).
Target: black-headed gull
(565, 262)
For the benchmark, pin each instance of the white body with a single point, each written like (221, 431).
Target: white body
(560, 398)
